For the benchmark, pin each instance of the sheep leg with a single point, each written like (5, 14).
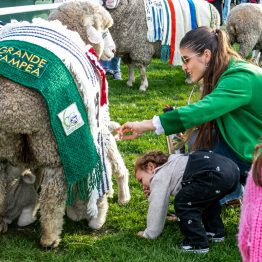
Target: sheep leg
(144, 82)
(52, 206)
(123, 189)
(10, 149)
(28, 214)
(3, 186)
(131, 75)
(120, 171)
(98, 222)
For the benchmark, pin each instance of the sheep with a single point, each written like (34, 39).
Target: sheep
(21, 198)
(130, 32)
(26, 138)
(244, 26)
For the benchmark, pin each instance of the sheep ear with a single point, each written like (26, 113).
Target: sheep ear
(28, 177)
(93, 35)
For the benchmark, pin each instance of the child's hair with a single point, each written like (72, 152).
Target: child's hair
(257, 165)
(156, 157)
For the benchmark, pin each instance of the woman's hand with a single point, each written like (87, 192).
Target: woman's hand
(135, 128)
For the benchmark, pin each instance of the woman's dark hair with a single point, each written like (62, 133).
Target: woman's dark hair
(257, 165)
(156, 157)
(217, 41)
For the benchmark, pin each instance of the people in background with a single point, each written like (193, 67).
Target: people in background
(219, 6)
(226, 10)
(112, 67)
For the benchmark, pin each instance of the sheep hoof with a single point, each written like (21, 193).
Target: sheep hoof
(50, 242)
(110, 193)
(3, 227)
(142, 88)
(124, 201)
(130, 83)
(94, 223)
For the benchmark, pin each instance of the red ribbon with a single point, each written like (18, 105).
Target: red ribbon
(173, 30)
(96, 63)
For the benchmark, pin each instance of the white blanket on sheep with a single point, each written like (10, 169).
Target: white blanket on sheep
(180, 29)
(177, 21)
(70, 48)
(154, 15)
(173, 18)
(203, 12)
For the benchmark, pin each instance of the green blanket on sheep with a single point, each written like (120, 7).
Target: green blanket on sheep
(39, 69)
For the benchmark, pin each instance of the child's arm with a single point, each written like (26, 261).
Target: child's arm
(158, 203)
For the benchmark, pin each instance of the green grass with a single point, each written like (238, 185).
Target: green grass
(117, 240)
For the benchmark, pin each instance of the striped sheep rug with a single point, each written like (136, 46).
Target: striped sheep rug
(169, 20)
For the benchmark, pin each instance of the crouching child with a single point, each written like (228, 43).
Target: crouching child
(198, 181)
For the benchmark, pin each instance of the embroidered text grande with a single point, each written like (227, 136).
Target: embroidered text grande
(23, 60)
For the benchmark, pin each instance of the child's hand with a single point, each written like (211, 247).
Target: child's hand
(140, 233)
(146, 191)
(172, 217)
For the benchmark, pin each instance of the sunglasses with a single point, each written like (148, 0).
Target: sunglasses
(185, 60)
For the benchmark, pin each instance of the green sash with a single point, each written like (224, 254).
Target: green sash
(39, 69)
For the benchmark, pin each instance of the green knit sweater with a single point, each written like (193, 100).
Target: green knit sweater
(235, 104)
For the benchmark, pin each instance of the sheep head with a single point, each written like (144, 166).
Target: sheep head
(232, 33)
(91, 21)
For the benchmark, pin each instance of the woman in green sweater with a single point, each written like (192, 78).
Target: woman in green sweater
(231, 100)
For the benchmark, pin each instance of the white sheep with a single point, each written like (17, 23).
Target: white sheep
(244, 26)
(26, 138)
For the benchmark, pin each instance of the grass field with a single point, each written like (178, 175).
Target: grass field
(117, 240)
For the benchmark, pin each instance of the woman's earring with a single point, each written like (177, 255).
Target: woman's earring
(206, 65)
